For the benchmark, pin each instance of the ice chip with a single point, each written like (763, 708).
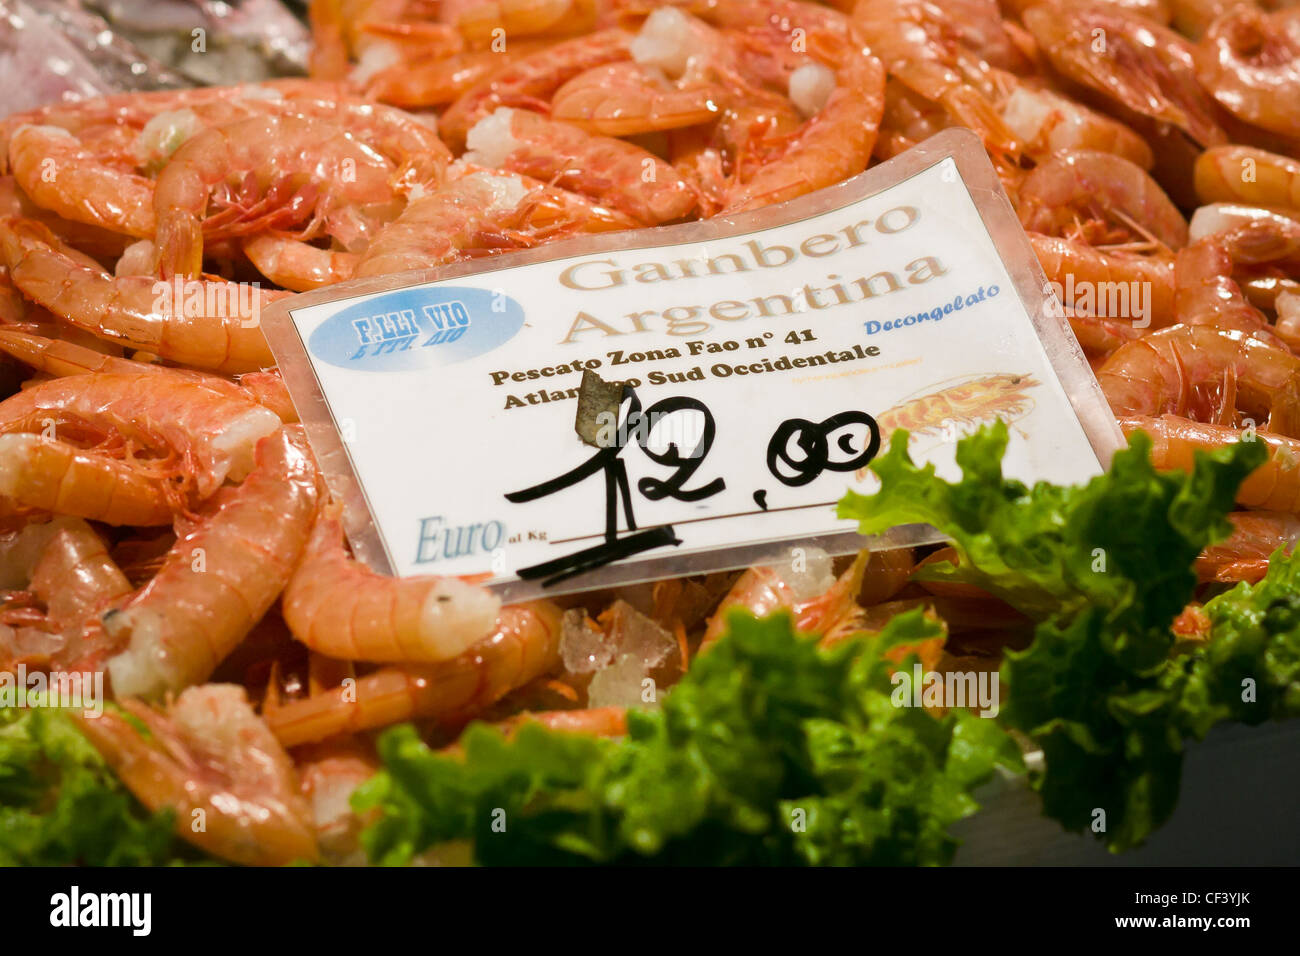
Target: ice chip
(583, 648)
(807, 571)
(634, 634)
(622, 684)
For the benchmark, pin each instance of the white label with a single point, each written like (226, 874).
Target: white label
(454, 397)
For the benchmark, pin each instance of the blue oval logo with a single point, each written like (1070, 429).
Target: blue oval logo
(417, 328)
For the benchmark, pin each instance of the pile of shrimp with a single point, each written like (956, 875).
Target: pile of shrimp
(163, 521)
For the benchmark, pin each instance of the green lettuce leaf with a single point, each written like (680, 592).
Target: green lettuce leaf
(1104, 567)
(770, 750)
(60, 804)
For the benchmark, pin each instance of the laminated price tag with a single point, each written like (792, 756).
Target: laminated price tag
(677, 400)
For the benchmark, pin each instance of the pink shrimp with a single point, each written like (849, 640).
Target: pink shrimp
(524, 644)
(1206, 291)
(1096, 193)
(479, 21)
(531, 81)
(211, 760)
(1248, 175)
(1072, 264)
(765, 589)
(1248, 60)
(62, 175)
(1274, 485)
(612, 172)
(924, 49)
(833, 145)
(1198, 372)
(352, 185)
(437, 82)
(339, 608)
(479, 211)
(219, 578)
(48, 475)
(210, 324)
(1046, 122)
(1243, 555)
(213, 434)
(298, 265)
(1143, 67)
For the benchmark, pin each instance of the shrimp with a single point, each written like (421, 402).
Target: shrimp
(476, 211)
(219, 578)
(833, 145)
(523, 645)
(211, 760)
(437, 82)
(480, 21)
(75, 577)
(48, 475)
(1046, 122)
(1244, 554)
(1141, 66)
(1206, 292)
(298, 265)
(1250, 62)
(924, 50)
(983, 398)
(817, 606)
(213, 434)
(1088, 192)
(352, 183)
(699, 160)
(341, 609)
(1191, 18)
(1196, 371)
(329, 774)
(210, 324)
(628, 98)
(1248, 175)
(531, 81)
(57, 358)
(1071, 264)
(60, 174)
(610, 171)
(1274, 485)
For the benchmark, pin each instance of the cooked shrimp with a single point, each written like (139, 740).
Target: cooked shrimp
(75, 577)
(833, 145)
(48, 475)
(765, 589)
(924, 49)
(1197, 372)
(219, 579)
(1128, 59)
(1248, 175)
(1046, 122)
(1074, 264)
(352, 184)
(1087, 194)
(330, 773)
(437, 82)
(297, 265)
(610, 171)
(214, 435)
(479, 211)
(1250, 62)
(479, 21)
(1206, 292)
(212, 761)
(628, 98)
(1274, 485)
(342, 609)
(524, 645)
(1192, 17)
(1243, 555)
(530, 81)
(211, 324)
(62, 175)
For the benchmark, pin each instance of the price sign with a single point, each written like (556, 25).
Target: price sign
(752, 369)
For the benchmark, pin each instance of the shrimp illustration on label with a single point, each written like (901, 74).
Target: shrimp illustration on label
(954, 408)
